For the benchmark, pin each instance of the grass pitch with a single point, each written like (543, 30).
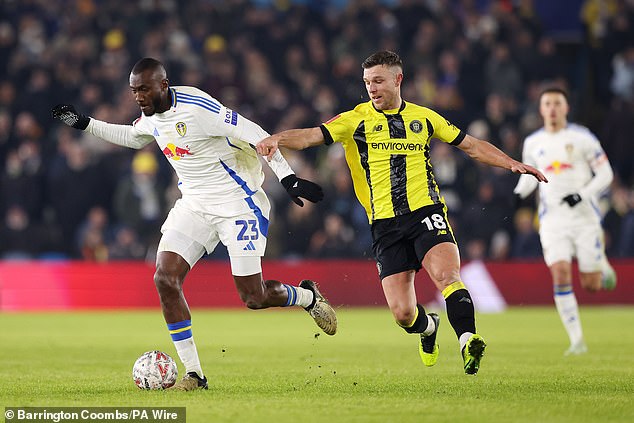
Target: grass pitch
(271, 366)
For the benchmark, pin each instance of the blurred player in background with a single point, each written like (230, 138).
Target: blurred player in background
(220, 176)
(386, 141)
(569, 218)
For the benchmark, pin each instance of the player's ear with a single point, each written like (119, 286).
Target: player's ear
(399, 79)
(165, 83)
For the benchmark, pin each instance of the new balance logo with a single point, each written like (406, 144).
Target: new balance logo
(249, 247)
(464, 300)
(441, 232)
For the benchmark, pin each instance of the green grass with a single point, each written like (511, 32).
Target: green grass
(270, 366)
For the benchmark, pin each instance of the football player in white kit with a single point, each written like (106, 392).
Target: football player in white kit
(220, 176)
(569, 218)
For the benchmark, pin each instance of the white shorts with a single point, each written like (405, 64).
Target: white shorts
(193, 229)
(585, 242)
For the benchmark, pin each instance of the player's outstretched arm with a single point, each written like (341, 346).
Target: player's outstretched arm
(123, 135)
(487, 153)
(295, 139)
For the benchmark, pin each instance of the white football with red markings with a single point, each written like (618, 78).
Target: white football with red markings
(154, 370)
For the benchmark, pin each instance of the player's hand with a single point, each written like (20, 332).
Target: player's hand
(67, 114)
(519, 167)
(298, 187)
(572, 199)
(267, 147)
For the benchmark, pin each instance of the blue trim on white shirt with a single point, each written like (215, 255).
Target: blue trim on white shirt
(238, 179)
(203, 102)
(173, 95)
(232, 145)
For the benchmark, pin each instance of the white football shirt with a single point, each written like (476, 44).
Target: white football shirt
(574, 162)
(208, 145)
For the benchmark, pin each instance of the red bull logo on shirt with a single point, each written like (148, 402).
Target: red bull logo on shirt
(174, 152)
(557, 167)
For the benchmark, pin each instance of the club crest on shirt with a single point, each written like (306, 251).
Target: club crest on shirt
(181, 128)
(569, 148)
(416, 126)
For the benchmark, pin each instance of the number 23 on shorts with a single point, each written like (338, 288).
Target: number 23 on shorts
(248, 230)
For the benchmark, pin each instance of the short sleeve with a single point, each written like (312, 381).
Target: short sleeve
(444, 130)
(340, 128)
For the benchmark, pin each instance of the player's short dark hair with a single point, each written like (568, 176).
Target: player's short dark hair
(147, 63)
(554, 90)
(385, 57)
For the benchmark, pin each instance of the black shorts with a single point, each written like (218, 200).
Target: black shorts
(400, 243)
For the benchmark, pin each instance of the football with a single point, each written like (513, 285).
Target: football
(154, 370)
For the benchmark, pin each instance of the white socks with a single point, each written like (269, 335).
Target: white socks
(431, 326)
(188, 354)
(464, 338)
(298, 296)
(181, 333)
(568, 309)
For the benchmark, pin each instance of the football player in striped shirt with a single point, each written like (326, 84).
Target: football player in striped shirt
(387, 148)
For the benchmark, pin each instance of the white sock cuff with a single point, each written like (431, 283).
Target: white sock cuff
(431, 326)
(464, 338)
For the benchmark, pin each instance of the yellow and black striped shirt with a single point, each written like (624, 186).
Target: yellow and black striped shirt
(388, 155)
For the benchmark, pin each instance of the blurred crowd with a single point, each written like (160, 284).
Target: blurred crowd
(481, 64)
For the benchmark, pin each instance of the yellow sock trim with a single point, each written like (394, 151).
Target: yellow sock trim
(180, 330)
(453, 288)
(413, 321)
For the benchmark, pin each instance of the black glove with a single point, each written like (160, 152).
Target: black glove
(572, 199)
(298, 187)
(67, 114)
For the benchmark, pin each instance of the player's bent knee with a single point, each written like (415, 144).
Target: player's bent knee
(252, 290)
(561, 273)
(590, 281)
(166, 281)
(444, 277)
(405, 321)
(404, 316)
(254, 302)
(562, 278)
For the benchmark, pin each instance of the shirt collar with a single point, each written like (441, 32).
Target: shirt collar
(391, 111)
